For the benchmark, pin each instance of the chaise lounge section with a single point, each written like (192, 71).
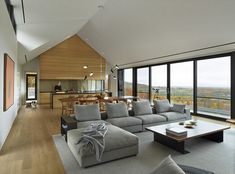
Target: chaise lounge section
(119, 143)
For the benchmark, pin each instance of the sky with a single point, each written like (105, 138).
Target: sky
(211, 73)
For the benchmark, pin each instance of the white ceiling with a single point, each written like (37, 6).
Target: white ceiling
(49, 22)
(126, 31)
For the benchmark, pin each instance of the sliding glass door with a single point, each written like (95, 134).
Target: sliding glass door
(181, 81)
(203, 84)
(128, 81)
(159, 82)
(213, 87)
(143, 83)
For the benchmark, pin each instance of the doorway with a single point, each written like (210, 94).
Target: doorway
(31, 87)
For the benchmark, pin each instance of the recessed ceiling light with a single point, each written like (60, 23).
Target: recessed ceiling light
(85, 66)
(91, 74)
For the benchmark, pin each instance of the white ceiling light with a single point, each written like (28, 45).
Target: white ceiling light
(85, 67)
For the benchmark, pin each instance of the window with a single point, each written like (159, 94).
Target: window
(182, 83)
(202, 84)
(128, 80)
(159, 82)
(143, 83)
(95, 85)
(213, 89)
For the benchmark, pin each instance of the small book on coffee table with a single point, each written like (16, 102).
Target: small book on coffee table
(176, 131)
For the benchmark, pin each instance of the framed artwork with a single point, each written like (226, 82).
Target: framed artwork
(9, 66)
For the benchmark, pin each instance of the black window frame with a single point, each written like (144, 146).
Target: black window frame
(195, 60)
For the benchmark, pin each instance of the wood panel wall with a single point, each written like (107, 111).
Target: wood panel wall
(66, 61)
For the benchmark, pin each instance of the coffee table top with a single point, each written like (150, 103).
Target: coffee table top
(201, 129)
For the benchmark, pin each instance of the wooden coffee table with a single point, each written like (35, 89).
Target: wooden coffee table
(203, 129)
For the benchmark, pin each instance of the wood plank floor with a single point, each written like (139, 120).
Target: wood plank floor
(29, 148)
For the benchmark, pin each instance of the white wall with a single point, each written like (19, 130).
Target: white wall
(8, 44)
(31, 66)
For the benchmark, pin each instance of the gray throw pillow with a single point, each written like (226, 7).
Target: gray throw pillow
(162, 105)
(168, 166)
(87, 112)
(115, 110)
(142, 107)
(178, 108)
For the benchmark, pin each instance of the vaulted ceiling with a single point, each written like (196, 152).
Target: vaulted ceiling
(41, 24)
(126, 31)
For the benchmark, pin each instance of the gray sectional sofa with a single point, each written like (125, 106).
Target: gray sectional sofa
(120, 142)
(143, 115)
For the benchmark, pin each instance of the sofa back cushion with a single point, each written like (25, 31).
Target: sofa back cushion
(162, 105)
(87, 112)
(142, 107)
(115, 110)
(178, 108)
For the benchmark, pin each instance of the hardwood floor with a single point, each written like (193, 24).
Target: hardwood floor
(29, 148)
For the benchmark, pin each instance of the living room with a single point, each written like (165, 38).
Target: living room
(134, 68)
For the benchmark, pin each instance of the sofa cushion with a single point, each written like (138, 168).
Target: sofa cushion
(178, 108)
(115, 138)
(194, 170)
(125, 121)
(87, 112)
(142, 107)
(168, 166)
(84, 124)
(115, 110)
(171, 116)
(151, 118)
(162, 105)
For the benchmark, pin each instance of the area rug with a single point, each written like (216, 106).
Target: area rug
(205, 154)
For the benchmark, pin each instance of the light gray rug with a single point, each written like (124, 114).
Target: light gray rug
(216, 157)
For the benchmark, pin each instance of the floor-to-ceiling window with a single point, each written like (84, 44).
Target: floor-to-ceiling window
(213, 86)
(203, 84)
(143, 83)
(159, 82)
(128, 81)
(181, 82)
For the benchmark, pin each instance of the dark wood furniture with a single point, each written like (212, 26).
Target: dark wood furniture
(203, 129)
(67, 123)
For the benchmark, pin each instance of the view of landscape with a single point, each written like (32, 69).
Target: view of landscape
(213, 91)
(209, 100)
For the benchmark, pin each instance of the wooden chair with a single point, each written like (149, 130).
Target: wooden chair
(87, 101)
(103, 101)
(68, 105)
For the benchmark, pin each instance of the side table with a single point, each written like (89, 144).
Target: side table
(67, 123)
